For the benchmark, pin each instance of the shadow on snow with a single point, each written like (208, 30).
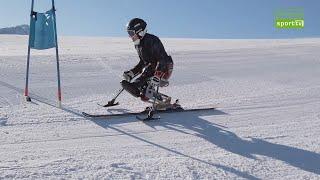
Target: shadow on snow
(213, 133)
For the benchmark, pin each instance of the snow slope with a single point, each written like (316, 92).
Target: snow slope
(266, 125)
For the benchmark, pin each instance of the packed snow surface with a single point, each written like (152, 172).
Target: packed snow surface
(266, 125)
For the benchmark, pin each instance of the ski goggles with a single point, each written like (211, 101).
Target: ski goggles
(131, 33)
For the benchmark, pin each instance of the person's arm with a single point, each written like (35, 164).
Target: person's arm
(138, 68)
(160, 55)
(129, 75)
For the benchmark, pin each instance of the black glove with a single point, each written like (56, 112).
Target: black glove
(128, 75)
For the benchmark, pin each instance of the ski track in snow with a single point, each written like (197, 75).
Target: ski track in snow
(266, 125)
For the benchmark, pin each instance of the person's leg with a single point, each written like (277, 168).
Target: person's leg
(131, 88)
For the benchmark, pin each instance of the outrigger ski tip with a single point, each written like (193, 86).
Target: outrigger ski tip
(109, 104)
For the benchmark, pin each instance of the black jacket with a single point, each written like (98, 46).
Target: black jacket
(151, 52)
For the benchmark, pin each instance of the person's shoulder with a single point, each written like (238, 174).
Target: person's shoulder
(151, 37)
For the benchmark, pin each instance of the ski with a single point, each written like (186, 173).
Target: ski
(111, 115)
(145, 112)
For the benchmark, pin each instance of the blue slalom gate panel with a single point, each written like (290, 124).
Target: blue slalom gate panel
(42, 30)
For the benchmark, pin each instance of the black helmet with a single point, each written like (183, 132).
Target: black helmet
(137, 26)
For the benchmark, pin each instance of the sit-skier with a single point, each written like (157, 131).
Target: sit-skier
(155, 66)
